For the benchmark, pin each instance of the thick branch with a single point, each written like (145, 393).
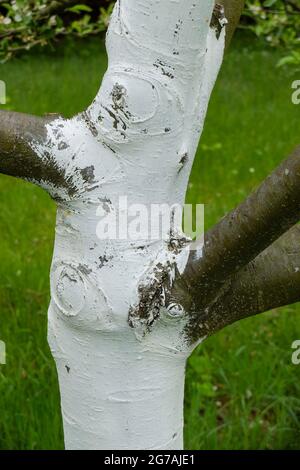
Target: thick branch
(237, 274)
(270, 281)
(57, 6)
(17, 158)
(244, 233)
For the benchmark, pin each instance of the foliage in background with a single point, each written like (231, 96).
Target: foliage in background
(278, 22)
(28, 23)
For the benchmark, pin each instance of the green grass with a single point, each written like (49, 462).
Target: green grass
(242, 390)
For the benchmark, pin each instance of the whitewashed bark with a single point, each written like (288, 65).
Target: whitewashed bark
(122, 385)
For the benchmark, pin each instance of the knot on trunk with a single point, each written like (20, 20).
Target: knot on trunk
(158, 302)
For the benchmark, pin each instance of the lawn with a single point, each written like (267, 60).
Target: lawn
(242, 390)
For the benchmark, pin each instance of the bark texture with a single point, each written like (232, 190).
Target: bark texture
(239, 238)
(270, 281)
(233, 11)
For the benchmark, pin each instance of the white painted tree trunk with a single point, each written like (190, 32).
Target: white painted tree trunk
(122, 380)
(118, 394)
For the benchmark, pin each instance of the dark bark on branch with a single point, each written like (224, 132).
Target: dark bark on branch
(270, 281)
(240, 237)
(17, 158)
(233, 11)
(255, 224)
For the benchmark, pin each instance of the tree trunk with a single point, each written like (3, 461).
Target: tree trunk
(116, 393)
(120, 350)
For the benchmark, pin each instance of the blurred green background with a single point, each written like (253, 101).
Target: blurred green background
(242, 390)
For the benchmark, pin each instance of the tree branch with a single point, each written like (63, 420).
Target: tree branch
(272, 280)
(240, 237)
(245, 232)
(17, 158)
(233, 11)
